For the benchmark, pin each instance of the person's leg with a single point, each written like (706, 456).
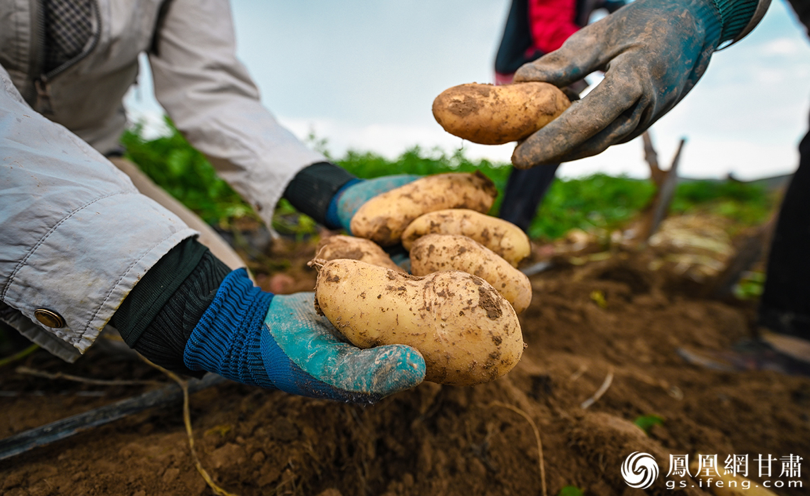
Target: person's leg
(785, 303)
(525, 190)
(208, 237)
(783, 343)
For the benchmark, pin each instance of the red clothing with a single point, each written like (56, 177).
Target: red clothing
(551, 23)
(537, 27)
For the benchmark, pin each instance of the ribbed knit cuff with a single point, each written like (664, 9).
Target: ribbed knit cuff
(227, 339)
(313, 188)
(735, 15)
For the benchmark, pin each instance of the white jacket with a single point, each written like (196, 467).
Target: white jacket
(75, 236)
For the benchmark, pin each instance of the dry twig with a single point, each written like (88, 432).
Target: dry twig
(665, 181)
(599, 392)
(576, 375)
(651, 156)
(673, 391)
(84, 380)
(187, 420)
(536, 435)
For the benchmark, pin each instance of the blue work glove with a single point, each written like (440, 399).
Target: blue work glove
(613, 5)
(653, 53)
(348, 200)
(279, 342)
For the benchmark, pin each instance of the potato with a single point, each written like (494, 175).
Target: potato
(351, 248)
(383, 218)
(436, 252)
(465, 330)
(494, 115)
(504, 238)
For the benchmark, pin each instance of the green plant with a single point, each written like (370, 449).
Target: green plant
(745, 203)
(598, 201)
(595, 202)
(750, 285)
(287, 220)
(570, 491)
(173, 164)
(368, 165)
(646, 422)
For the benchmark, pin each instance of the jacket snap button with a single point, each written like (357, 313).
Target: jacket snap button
(49, 318)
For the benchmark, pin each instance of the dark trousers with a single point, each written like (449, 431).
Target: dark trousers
(785, 302)
(525, 190)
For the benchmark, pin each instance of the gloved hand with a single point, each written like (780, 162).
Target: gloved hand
(348, 200)
(613, 5)
(279, 342)
(653, 53)
(332, 196)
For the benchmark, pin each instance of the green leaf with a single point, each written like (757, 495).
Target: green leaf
(646, 422)
(750, 285)
(570, 491)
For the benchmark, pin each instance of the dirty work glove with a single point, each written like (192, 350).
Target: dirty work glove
(279, 342)
(348, 200)
(653, 53)
(613, 5)
(331, 195)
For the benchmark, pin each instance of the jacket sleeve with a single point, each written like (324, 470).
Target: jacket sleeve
(213, 102)
(551, 23)
(76, 234)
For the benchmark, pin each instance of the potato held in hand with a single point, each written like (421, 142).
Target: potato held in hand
(500, 236)
(351, 248)
(436, 252)
(467, 333)
(494, 115)
(383, 218)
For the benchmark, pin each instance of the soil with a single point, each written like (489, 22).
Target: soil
(613, 316)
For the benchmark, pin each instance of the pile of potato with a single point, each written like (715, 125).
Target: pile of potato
(459, 306)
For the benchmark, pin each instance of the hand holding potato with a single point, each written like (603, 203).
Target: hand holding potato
(466, 332)
(459, 308)
(380, 209)
(279, 342)
(460, 238)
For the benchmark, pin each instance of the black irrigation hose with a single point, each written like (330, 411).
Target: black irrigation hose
(62, 429)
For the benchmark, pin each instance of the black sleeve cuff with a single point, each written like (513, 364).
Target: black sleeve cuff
(143, 303)
(313, 188)
(157, 317)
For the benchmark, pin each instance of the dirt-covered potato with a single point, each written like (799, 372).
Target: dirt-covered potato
(351, 248)
(500, 236)
(465, 330)
(383, 218)
(494, 115)
(436, 252)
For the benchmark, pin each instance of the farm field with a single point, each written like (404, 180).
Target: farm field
(604, 317)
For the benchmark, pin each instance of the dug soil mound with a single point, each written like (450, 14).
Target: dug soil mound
(615, 317)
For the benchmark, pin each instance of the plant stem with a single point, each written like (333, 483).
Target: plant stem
(19, 355)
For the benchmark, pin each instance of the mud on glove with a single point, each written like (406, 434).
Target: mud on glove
(279, 342)
(653, 53)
